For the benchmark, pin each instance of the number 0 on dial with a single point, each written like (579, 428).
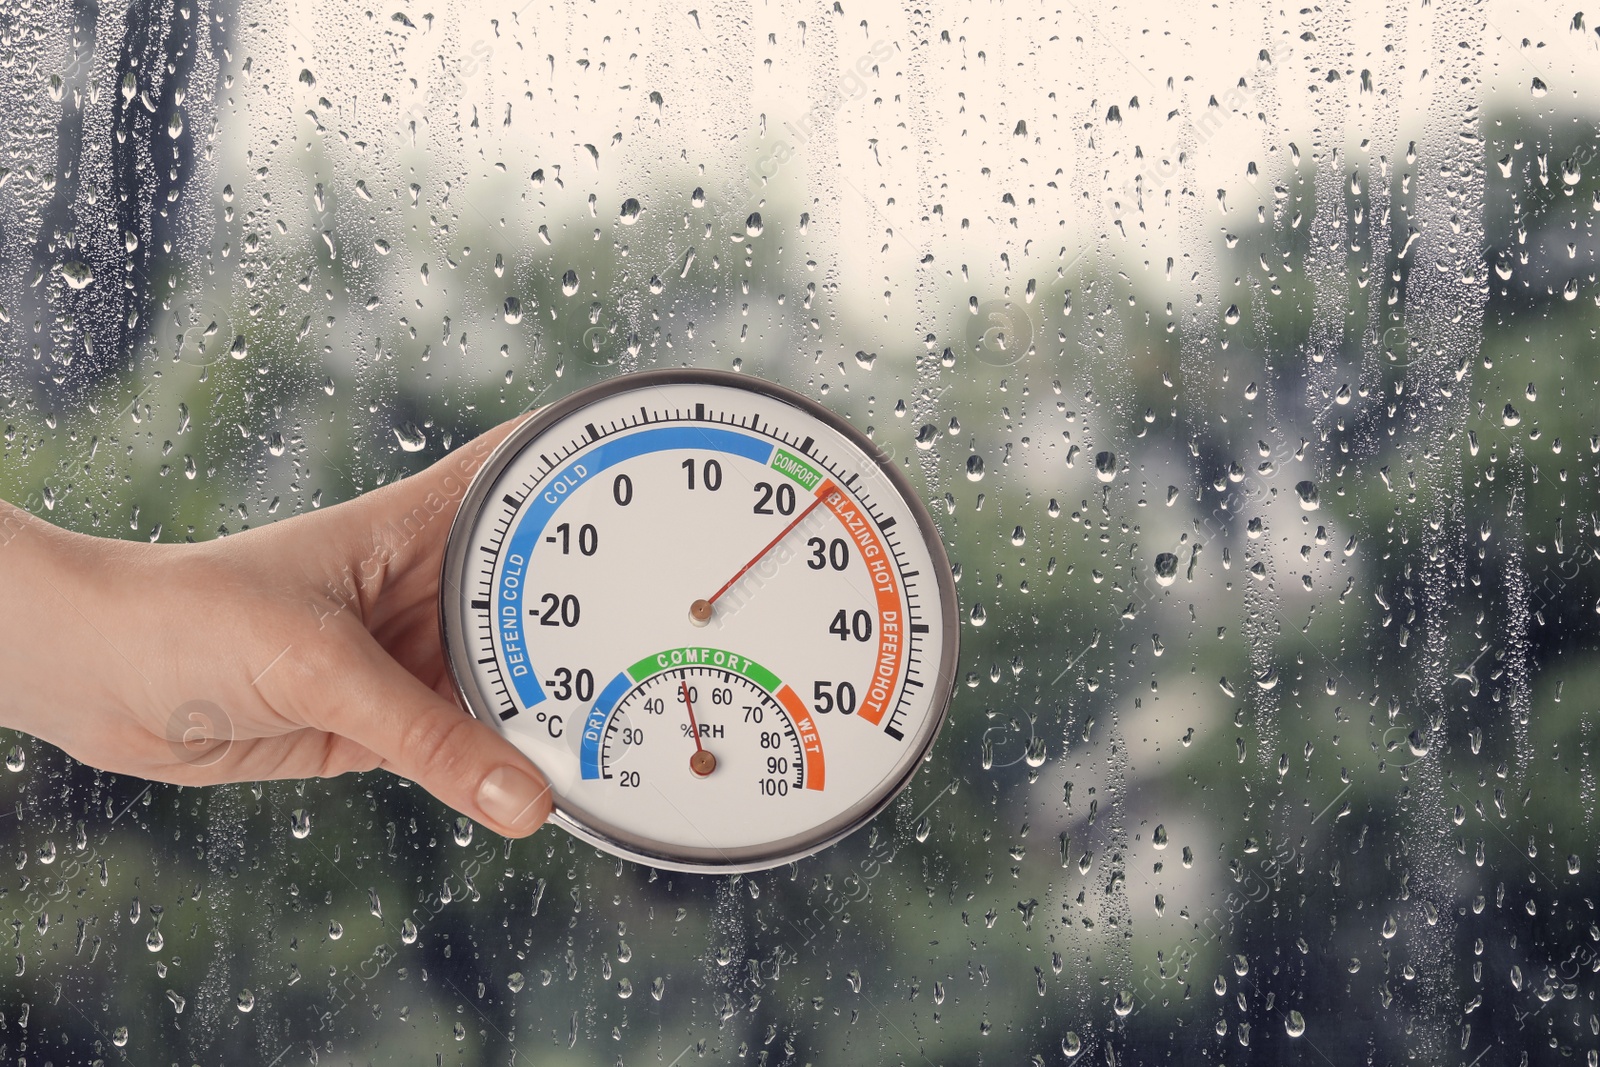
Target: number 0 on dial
(705, 607)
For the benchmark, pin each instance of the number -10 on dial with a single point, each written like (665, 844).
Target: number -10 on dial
(722, 627)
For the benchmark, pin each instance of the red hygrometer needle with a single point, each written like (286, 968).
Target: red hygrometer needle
(701, 610)
(702, 762)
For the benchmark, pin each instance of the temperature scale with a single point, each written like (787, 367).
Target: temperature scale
(720, 623)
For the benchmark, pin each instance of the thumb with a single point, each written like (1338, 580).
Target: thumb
(449, 477)
(431, 741)
(408, 520)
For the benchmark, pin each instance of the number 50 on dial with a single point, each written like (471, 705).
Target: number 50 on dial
(705, 607)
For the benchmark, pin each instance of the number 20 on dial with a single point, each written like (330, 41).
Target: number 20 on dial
(722, 626)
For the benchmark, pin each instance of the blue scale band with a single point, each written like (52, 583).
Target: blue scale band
(594, 725)
(509, 613)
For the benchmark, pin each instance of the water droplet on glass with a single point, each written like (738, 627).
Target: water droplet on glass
(463, 830)
(1309, 499)
(1105, 466)
(974, 468)
(516, 981)
(410, 437)
(408, 932)
(569, 283)
(1539, 88)
(630, 212)
(16, 759)
(1294, 1023)
(513, 310)
(1511, 416)
(119, 1036)
(979, 616)
(1166, 568)
(239, 349)
(335, 929)
(1071, 1045)
(1231, 316)
(300, 822)
(154, 941)
(77, 275)
(864, 360)
(245, 1000)
(1158, 839)
(752, 225)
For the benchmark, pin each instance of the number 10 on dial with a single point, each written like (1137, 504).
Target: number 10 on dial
(722, 626)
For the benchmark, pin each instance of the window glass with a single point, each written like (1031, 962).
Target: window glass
(1245, 356)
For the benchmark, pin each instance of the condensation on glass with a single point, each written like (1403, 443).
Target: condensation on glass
(1246, 357)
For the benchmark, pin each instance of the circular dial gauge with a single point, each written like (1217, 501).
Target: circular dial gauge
(722, 626)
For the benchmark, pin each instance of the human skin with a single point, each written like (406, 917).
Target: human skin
(309, 647)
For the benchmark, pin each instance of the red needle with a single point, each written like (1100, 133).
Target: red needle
(693, 727)
(701, 609)
(702, 762)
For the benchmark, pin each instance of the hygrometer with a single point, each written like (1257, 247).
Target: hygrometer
(713, 614)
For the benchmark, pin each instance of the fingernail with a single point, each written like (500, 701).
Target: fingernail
(514, 798)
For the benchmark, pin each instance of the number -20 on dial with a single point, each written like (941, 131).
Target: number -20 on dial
(722, 626)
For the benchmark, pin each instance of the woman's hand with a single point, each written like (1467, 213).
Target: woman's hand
(308, 647)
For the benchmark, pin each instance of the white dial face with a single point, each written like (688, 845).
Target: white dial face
(711, 619)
